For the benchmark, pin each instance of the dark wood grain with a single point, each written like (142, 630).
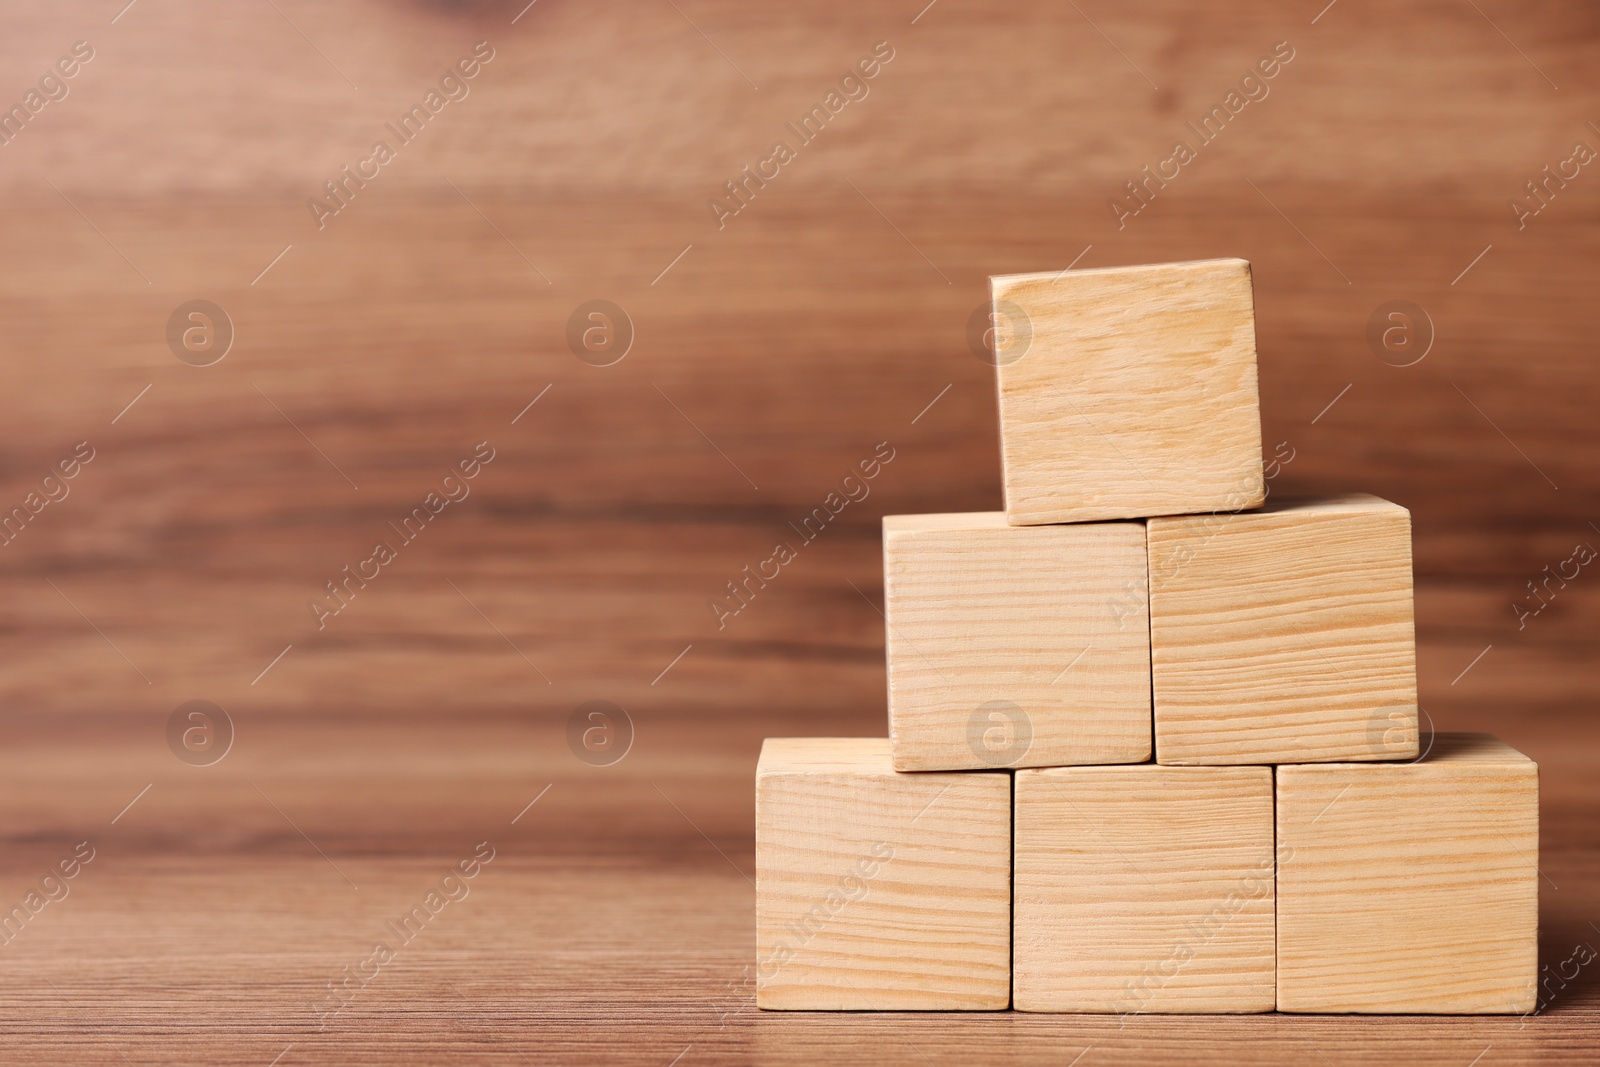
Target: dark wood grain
(615, 923)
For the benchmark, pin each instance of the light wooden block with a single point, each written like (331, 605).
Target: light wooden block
(1128, 391)
(1015, 646)
(877, 890)
(1284, 635)
(1410, 887)
(1144, 889)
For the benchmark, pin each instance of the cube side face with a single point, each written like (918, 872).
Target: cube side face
(1144, 889)
(1284, 637)
(1409, 888)
(879, 891)
(1135, 395)
(1017, 646)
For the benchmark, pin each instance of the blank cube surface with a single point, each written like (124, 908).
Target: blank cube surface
(1128, 391)
(1284, 635)
(1410, 887)
(878, 890)
(1144, 889)
(1015, 646)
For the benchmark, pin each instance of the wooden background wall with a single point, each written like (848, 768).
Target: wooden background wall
(770, 354)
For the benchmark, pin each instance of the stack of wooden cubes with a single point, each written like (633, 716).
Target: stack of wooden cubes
(1153, 740)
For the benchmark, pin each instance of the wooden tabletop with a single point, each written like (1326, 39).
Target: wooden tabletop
(418, 723)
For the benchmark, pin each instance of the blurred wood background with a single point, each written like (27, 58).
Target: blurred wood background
(770, 355)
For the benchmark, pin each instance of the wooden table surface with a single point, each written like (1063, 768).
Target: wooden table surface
(376, 748)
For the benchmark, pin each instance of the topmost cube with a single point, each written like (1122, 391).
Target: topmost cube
(1128, 392)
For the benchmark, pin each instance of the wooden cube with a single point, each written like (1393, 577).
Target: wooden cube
(1410, 887)
(1144, 889)
(1015, 646)
(1284, 635)
(1128, 391)
(877, 890)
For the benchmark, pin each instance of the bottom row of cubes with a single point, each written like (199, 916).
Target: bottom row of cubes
(1332, 887)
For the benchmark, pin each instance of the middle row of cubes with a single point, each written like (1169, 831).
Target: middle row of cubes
(1283, 635)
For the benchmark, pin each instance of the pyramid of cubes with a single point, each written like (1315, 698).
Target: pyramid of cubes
(1153, 740)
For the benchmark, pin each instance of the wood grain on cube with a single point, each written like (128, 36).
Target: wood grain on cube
(878, 890)
(1128, 391)
(1144, 889)
(1284, 635)
(1017, 646)
(1410, 887)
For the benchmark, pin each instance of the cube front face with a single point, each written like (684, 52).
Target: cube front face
(1411, 887)
(1015, 646)
(877, 890)
(1144, 889)
(1128, 392)
(1284, 635)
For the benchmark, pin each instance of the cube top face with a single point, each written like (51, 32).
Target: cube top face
(1128, 392)
(1410, 887)
(1015, 646)
(1144, 889)
(824, 755)
(1475, 748)
(1284, 635)
(877, 890)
